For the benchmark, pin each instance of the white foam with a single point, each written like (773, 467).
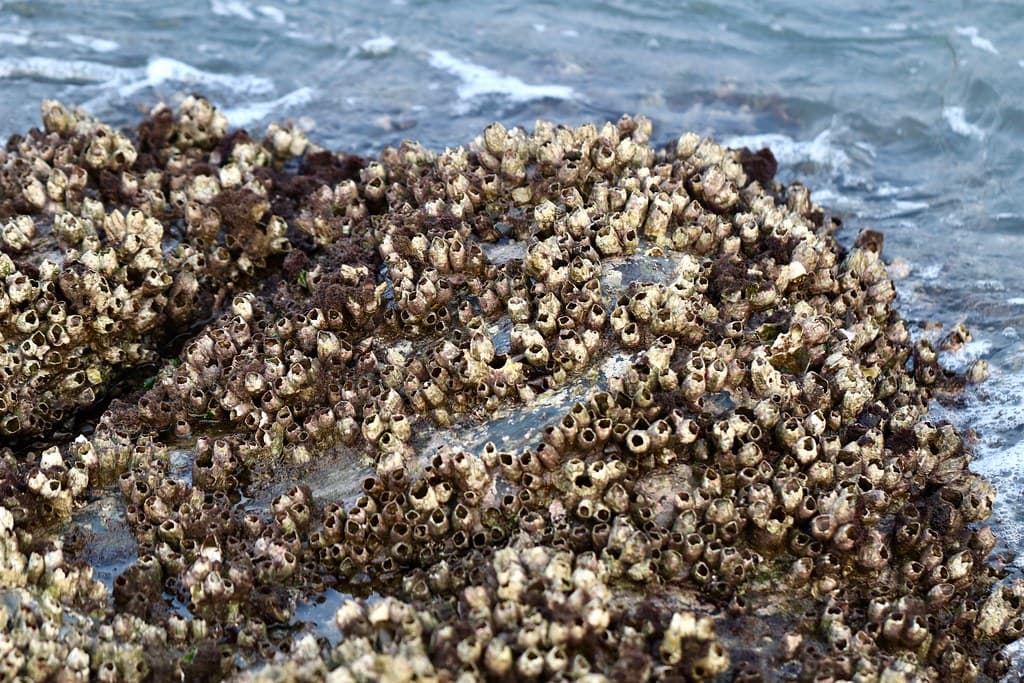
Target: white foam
(273, 13)
(996, 462)
(790, 152)
(890, 190)
(14, 38)
(958, 360)
(166, 70)
(891, 209)
(479, 80)
(958, 123)
(976, 39)
(94, 44)
(829, 197)
(899, 268)
(232, 8)
(995, 409)
(70, 70)
(1016, 300)
(251, 112)
(573, 33)
(906, 206)
(378, 47)
(1015, 653)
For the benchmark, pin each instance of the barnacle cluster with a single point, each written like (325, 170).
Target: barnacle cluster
(743, 484)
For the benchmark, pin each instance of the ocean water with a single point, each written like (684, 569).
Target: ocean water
(906, 117)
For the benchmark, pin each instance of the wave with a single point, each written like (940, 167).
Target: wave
(249, 113)
(243, 10)
(14, 37)
(94, 44)
(61, 70)
(166, 70)
(479, 80)
(789, 152)
(128, 80)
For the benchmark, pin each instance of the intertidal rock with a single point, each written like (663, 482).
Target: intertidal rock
(738, 481)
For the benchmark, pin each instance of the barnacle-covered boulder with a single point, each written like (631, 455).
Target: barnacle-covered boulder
(551, 405)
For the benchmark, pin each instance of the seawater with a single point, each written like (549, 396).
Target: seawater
(907, 118)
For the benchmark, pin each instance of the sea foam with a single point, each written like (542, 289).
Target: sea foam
(789, 152)
(976, 40)
(957, 121)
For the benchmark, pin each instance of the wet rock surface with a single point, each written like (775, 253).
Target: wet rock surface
(552, 405)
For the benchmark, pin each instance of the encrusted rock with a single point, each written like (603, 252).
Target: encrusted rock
(744, 475)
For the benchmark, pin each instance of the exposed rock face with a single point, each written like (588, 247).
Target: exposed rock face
(737, 480)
